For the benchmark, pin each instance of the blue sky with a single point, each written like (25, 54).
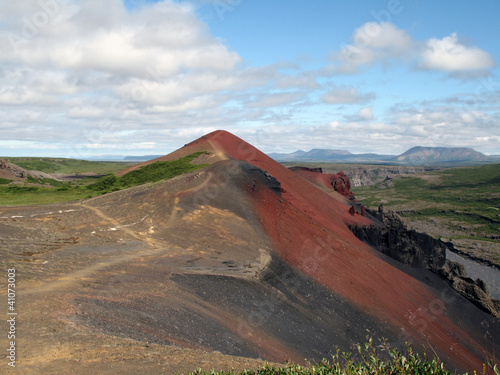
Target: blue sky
(89, 78)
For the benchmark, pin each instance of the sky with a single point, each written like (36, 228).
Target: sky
(92, 78)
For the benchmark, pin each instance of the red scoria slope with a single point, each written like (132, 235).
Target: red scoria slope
(338, 182)
(308, 228)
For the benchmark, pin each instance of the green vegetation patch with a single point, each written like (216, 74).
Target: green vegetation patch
(464, 201)
(46, 181)
(16, 195)
(4, 181)
(49, 191)
(472, 191)
(104, 183)
(367, 360)
(69, 166)
(160, 170)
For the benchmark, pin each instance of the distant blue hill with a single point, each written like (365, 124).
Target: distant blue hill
(141, 158)
(415, 156)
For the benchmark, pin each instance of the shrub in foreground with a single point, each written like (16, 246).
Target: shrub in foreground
(367, 361)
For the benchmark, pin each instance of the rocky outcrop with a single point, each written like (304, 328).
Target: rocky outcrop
(15, 172)
(366, 176)
(306, 169)
(390, 236)
(338, 181)
(342, 184)
(475, 291)
(263, 177)
(407, 246)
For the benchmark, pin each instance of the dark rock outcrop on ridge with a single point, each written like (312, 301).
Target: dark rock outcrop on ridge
(339, 182)
(260, 175)
(406, 246)
(316, 170)
(391, 237)
(475, 291)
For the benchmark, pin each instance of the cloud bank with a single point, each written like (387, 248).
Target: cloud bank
(84, 78)
(384, 43)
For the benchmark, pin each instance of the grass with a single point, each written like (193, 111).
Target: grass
(160, 170)
(380, 360)
(69, 166)
(21, 195)
(46, 181)
(4, 181)
(468, 195)
(46, 191)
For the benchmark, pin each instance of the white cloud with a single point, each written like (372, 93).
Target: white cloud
(165, 37)
(277, 99)
(366, 114)
(85, 72)
(304, 81)
(92, 75)
(448, 54)
(371, 43)
(346, 95)
(383, 36)
(442, 125)
(383, 43)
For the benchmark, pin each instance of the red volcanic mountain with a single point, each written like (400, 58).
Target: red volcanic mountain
(249, 259)
(308, 229)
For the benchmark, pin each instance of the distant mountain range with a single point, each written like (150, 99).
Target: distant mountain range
(141, 158)
(430, 155)
(453, 156)
(416, 155)
(326, 155)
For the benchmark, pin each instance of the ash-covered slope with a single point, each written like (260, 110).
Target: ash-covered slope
(243, 258)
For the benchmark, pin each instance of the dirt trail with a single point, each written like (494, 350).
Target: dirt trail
(152, 247)
(123, 228)
(72, 278)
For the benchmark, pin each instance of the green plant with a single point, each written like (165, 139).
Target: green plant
(32, 180)
(104, 183)
(69, 166)
(49, 190)
(21, 189)
(369, 359)
(160, 170)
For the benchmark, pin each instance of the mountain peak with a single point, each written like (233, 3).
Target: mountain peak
(433, 155)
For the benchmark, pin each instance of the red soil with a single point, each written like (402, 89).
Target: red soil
(313, 202)
(349, 268)
(308, 229)
(338, 182)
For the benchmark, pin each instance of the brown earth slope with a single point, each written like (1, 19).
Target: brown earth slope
(240, 261)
